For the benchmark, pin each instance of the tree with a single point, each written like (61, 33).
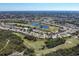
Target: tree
(50, 43)
(29, 52)
(74, 51)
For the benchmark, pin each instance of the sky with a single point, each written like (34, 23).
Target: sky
(39, 6)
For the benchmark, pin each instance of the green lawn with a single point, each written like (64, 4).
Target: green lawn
(71, 42)
(32, 44)
(53, 29)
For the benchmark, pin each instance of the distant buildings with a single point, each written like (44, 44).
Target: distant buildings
(38, 32)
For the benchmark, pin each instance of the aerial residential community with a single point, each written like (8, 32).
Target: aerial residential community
(39, 33)
(41, 30)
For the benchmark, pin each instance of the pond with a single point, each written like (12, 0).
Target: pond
(39, 25)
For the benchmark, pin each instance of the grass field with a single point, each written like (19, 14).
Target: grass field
(71, 42)
(36, 45)
(53, 29)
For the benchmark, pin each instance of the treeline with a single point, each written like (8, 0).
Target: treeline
(50, 43)
(32, 38)
(14, 21)
(15, 43)
(74, 51)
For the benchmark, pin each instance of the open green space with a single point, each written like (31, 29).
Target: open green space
(53, 29)
(71, 42)
(36, 45)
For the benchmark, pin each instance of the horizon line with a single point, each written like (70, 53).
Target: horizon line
(40, 10)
